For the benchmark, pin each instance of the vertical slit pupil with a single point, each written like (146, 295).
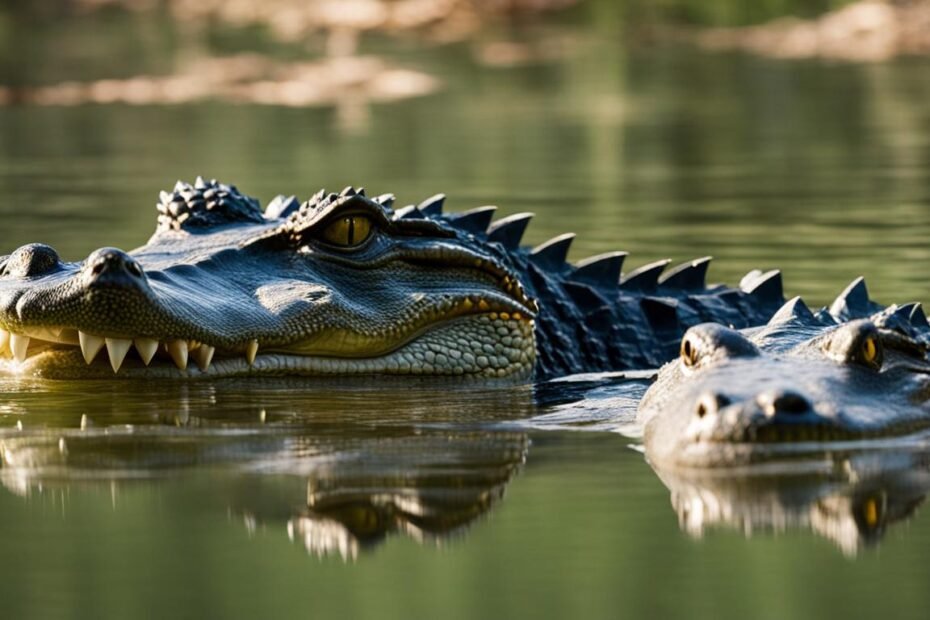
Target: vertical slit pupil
(351, 223)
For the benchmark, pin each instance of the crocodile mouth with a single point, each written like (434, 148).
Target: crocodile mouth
(485, 336)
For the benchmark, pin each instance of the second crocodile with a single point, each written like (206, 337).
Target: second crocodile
(852, 376)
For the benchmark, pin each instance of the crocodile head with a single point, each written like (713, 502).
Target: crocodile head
(339, 284)
(791, 389)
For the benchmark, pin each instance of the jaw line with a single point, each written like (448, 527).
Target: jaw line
(434, 352)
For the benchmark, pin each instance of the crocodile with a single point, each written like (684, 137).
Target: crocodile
(345, 284)
(804, 385)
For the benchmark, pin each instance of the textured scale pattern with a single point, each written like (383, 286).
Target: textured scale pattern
(205, 204)
(591, 318)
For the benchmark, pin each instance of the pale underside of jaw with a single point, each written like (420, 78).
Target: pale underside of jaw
(478, 345)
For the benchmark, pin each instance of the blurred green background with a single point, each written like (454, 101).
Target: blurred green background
(605, 118)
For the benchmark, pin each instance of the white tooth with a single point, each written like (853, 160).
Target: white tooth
(4, 341)
(177, 349)
(117, 348)
(90, 346)
(251, 350)
(203, 355)
(19, 344)
(146, 348)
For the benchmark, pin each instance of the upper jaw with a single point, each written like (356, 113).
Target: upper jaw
(149, 319)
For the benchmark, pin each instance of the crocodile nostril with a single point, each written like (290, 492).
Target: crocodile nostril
(785, 403)
(134, 268)
(113, 261)
(710, 403)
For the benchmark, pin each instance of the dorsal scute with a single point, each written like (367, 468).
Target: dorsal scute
(281, 206)
(688, 276)
(385, 200)
(644, 279)
(793, 310)
(601, 271)
(766, 288)
(550, 255)
(474, 221)
(432, 206)
(410, 212)
(853, 302)
(205, 204)
(508, 231)
(918, 318)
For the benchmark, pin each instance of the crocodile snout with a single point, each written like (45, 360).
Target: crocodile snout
(774, 404)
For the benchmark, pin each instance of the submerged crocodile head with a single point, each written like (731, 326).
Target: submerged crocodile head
(802, 385)
(339, 284)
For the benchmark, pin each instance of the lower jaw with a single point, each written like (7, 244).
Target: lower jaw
(69, 365)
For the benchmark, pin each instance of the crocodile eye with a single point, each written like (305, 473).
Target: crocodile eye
(856, 342)
(689, 352)
(348, 231)
(870, 352)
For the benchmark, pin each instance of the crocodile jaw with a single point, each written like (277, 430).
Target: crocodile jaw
(479, 346)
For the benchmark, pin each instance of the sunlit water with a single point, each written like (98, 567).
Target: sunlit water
(304, 498)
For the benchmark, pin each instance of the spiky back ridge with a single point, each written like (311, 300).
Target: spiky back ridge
(592, 317)
(795, 323)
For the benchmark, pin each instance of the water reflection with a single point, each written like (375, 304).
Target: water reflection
(408, 470)
(433, 489)
(852, 505)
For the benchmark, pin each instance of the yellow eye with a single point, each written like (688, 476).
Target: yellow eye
(871, 512)
(869, 350)
(348, 231)
(689, 353)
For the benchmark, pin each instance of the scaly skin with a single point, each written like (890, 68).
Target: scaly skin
(344, 284)
(802, 385)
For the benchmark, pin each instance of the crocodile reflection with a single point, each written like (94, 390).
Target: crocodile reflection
(851, 500)
(413, 474)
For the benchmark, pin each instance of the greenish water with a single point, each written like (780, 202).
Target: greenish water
(426, 502)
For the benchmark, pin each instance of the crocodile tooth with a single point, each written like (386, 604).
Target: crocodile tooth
(19, 344)
(203, 355)
(146, 348)
(177, 349)
(90, 346)
(4, 341)
(117, 348)
(251, 350)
